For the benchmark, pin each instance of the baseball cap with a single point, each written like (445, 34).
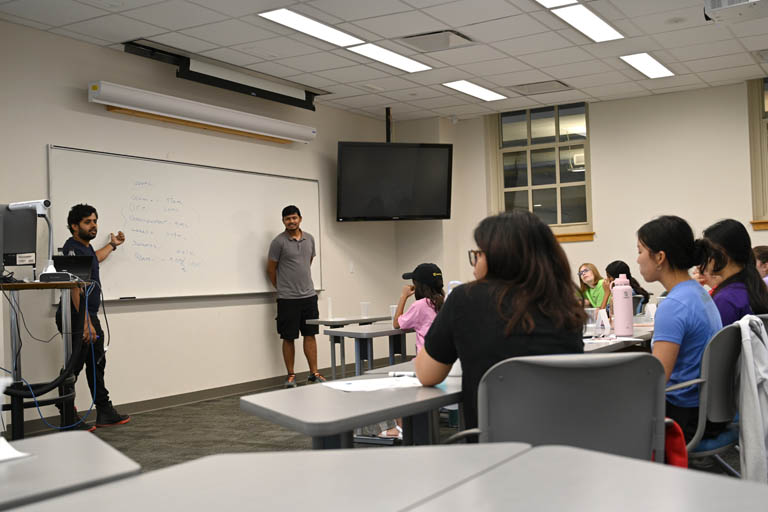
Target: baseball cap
(427, 273)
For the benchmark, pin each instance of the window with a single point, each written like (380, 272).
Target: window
(757, 102)
(544, 166)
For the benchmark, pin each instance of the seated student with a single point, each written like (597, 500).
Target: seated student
(428, 288)
(726, 252)
(761, 261)
(522, 303)
(594, 289)
(685, 321)
(618, 267)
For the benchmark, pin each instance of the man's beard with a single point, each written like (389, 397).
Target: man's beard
(85, 235)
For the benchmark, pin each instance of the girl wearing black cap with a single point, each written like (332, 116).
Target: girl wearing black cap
(428, 288)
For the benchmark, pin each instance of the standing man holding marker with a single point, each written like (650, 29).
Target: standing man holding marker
(82, 223)
(288, 265)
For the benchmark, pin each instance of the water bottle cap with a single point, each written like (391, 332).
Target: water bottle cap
(621, 280)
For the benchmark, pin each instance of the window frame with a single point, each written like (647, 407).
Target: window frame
(758, 149)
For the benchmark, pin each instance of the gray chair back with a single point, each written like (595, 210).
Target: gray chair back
(612, 403)
(718, 369)
(637, 301)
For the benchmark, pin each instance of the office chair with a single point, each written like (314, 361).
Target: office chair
(613, 403)
(717, 396)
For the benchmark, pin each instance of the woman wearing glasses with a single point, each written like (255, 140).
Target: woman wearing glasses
(594, 289)
(523, 302)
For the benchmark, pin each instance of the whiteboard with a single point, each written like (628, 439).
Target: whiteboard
(190, 229)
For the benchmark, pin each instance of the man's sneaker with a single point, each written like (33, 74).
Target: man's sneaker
(78, 424)
(290, 382)
(315, 377)
(107, 416)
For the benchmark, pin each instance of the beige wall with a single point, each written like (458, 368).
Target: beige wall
(165, 347)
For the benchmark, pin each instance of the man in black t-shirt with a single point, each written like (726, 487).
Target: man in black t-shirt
(82, 223)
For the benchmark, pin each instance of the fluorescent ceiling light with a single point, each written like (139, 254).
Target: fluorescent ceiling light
(311, 27)
(475, 90)
(389, 58)
(549, 4)
(647, 65)
(588, 23)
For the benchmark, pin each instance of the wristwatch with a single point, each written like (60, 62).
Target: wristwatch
(114, 245)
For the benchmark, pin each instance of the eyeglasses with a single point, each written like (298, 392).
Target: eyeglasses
(582, 272)
(473, 255)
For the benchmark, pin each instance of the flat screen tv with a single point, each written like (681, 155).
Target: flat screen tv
(393, 181)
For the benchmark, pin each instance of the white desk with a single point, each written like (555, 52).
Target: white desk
(330, 415)
(558, 478)
(597, 345)
(341, 480)
(60, 463)
(364, 335)
(341, 322)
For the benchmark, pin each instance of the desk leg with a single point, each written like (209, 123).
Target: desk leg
(403, 351)
(17, 403)
(421, 428)
(370, 353)
(392, 341)
(333, 357)
(341, 356)
(67, 415)
(343, 440)
(358, 355)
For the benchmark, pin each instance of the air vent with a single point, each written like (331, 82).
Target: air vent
(762, 55)
(539, 87)
(435, 41)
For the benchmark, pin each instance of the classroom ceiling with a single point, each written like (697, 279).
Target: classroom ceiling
(513, 42)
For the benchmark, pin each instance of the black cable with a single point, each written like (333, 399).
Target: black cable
(20, 313)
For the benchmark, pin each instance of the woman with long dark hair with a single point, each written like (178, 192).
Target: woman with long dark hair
(726, 252)
(685, 321)
(523, 302)
(618, 267)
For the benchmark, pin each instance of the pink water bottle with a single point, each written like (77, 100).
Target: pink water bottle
(622, 306)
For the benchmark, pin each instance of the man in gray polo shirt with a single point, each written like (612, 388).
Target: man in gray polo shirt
(288, 265)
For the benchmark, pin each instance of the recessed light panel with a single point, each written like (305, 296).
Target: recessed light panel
(475, 90)
(588, 23)
(389, 58)
(647, 65)
(550, 4)
(310, 27)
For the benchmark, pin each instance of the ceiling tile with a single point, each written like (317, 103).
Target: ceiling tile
(749, 28)
(467, 54)
(645, 7)
(426, 3)
(666, 21)
(494, 67)
(606, 10)
(60, 12)
(359, 32)
(238, 8)
(765, 67)
(226, 33)
(526, 5)
(360, 59)
(175, 15)
(680, 88)
(740, 73)
(351, 74)
(753, 43)
(548, 19)
(465, 12)
(627, 28)
(626, 96)
(383, 86)
(316, 62)
(556, 57)
(613, 89)
(691, 36)
(271, 26)
(116, 28)
(183, 42)
(439, 102)
(553, 98)
(572, 69)
(512, 104)
(439, 76)
(611, 77)
(275, 48)
(532, 44)
(275, 69)
(118, 5)
(701, 51)
(474, 108)
(309, 79)
(574, 36)
(359, 9)
(498, 30)
(313, 41)
(677, 68)
(364, 100)
(340, 91)
(396, 108)
(316, 14)
(80, 37)
(230, 56)
(670, 81)
(21, 21)
(622, 47)
(725, 61)
(419, 114)
(416, 93)
(402, 24)
(517, 78)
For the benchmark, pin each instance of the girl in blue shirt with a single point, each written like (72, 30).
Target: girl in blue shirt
(685, 321)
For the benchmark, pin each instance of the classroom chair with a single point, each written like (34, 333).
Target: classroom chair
(613, 403)
(717, 396)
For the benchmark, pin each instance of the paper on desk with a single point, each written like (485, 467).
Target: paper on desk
(610, 339)
(373, 384)
(8, 452)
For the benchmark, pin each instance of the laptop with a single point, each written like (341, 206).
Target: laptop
(79, 266)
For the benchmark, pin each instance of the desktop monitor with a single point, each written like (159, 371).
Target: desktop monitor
(18, 237)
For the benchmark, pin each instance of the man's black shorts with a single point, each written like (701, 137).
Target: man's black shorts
(292, 315)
